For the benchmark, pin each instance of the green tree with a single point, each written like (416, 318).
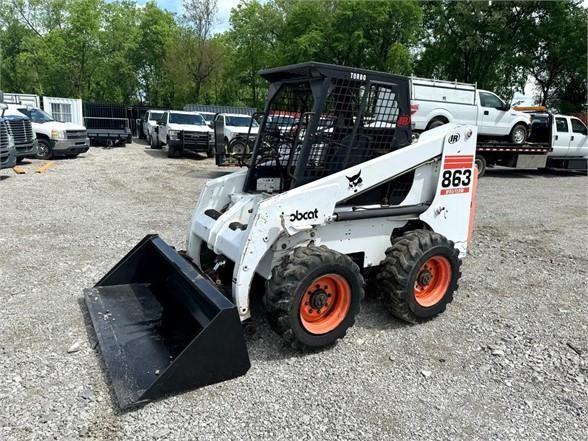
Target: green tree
(474, 41)
(556, 52)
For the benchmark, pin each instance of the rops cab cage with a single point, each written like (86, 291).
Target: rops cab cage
(320, 119)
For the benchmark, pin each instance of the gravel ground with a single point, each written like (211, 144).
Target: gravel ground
(508, 359)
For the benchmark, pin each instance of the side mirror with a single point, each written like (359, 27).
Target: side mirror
(3, 106)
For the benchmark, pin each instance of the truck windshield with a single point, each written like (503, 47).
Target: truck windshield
(36, 115)
(155, 116)
(186, 118)
(240, 121)
(208, 116)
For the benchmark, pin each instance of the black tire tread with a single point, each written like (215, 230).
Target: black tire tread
(401, 258)
(285, 280)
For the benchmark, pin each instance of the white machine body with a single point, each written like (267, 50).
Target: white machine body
(444, 182)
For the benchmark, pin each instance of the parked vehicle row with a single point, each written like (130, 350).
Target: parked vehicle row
(186, 131)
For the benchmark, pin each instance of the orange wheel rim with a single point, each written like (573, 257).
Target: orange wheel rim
(432, 281)
(325, 303)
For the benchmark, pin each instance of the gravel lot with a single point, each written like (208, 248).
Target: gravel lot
(508, 359)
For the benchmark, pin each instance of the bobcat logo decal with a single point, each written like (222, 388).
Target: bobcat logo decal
(355, 181)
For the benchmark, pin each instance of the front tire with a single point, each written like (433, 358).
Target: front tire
(44, 149)
(154, 142)
(313, 297)
(419, 275)
(173, 151)
(518, 134)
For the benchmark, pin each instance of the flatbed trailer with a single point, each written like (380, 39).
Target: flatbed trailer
(107, 124)
(506, 154)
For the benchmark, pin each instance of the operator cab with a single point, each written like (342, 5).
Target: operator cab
(320, 119)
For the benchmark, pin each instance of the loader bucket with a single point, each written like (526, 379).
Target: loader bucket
(163, 327)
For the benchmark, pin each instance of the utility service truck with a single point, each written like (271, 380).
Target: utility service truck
(54, 138)
(311, 218)
(183, 132)
(436, 102)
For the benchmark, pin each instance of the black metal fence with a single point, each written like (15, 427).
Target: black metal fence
(219, 109)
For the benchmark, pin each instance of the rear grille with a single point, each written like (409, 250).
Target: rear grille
(4, 147)
(21, 130)
(76, 134)
(196, 138)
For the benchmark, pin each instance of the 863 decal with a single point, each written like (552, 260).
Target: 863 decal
(457, 174)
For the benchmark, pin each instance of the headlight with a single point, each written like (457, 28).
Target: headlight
(173, 134)
(57, 134)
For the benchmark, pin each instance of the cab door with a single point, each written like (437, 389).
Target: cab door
(495, 120)
(162, 127)
(561, 136)
(578, 145)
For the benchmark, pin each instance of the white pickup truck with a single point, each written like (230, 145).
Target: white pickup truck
(435, 102)
(54, 138)
(149, 122)
(235, 125)
(183, 131)
(569, 144)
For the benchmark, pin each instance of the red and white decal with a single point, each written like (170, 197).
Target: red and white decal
(457, 174)
(458, 161)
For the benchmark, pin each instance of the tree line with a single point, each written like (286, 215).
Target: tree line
(124, 53)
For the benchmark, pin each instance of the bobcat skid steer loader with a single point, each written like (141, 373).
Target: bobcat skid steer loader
(339, 197)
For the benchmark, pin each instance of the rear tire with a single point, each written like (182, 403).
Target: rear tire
(313, 297)
(518, 134)
(419, 275)
(44, 149)
(480, 162)
(436, 122)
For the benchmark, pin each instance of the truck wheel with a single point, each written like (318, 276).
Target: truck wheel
(419, 275)
(313, 296)
(480, 162)
(210, 152)
(20, 159)
(173, 151)
(238, 147)
(518, 134)
(436, 122)
(44, 150)
(154, 142)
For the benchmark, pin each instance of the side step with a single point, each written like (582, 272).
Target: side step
(163, 327)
